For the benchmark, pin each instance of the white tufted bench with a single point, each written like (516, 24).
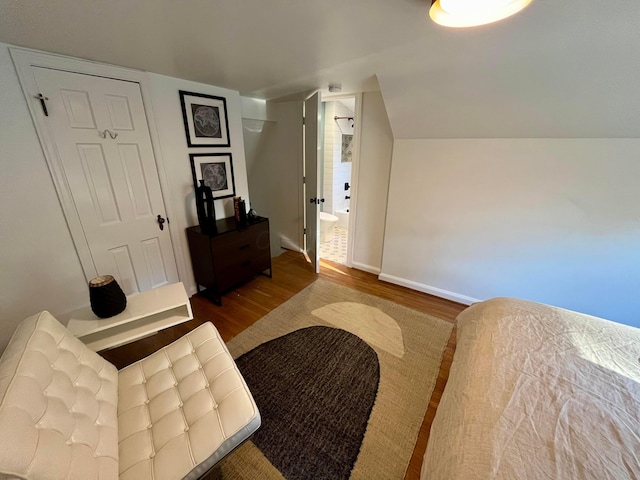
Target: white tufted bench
(66, 413)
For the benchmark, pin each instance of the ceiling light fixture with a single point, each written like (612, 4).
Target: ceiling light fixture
(470, 13)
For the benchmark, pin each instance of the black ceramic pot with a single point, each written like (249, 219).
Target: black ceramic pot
(106, 297)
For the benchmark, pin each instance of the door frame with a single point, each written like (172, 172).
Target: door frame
(355, 168)
(23, 60)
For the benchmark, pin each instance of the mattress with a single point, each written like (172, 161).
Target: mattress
(537, 392)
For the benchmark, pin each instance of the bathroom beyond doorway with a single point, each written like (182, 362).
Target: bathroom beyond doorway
(338, 128)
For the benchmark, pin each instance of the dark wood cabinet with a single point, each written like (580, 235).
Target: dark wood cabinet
(229, 257)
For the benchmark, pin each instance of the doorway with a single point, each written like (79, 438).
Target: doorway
(339, 122)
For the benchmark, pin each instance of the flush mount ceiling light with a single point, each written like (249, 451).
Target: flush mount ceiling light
(470, 13)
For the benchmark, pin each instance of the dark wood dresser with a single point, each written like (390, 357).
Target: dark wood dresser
(229, 257)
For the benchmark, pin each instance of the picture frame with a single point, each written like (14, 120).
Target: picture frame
(205, 119)
(216, 169)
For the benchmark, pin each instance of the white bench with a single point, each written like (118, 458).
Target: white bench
(66, 413)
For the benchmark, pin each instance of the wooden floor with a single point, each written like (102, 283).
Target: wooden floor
(247, 304)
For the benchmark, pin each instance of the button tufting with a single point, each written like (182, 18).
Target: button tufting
(102, 388)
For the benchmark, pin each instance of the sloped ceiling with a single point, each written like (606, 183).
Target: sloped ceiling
(560, 68)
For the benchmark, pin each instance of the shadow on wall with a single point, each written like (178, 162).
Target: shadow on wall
(273, 152)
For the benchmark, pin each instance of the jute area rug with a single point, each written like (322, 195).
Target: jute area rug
(409, 346)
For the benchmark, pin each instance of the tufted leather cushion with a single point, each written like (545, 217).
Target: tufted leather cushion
(182, 409)
(58, 406)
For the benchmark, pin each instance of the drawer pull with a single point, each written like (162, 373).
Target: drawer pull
(245, 246)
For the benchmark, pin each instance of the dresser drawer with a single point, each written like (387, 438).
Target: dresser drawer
(241, 271)
(230, 256)
(235, 249)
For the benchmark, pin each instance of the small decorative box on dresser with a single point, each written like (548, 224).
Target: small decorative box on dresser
(232, 255)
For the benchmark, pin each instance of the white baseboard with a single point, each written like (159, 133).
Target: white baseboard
(366, 268)
(438, 292)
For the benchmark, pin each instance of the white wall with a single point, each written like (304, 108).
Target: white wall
(376, 146)
(274, 165)
(175, 154)
(39, 265)
(550, 220)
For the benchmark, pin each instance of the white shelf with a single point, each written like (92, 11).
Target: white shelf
(146, 313)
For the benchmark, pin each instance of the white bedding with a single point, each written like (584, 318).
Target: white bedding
(536, 392)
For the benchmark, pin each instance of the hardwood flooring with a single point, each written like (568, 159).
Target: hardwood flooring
(250, 302)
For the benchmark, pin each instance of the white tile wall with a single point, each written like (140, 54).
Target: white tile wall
(336, 173)
(330, 129)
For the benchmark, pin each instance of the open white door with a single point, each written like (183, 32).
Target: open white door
(312, 178)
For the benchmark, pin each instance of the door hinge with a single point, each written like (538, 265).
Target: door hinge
(42, 99)
(304, 120)
(304, 179)
(305, 231)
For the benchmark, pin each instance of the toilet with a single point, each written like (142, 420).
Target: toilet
(327, 222)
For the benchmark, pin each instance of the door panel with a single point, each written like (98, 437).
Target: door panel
(134, 175)
(119, 112)
(312, 177)
(123, 268)
(101, 134)
(78, 109)
(153, 256)
(97, 185)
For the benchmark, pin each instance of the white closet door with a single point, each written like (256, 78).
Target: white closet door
(100, 130)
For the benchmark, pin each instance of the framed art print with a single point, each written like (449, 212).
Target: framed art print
(205, 120)
(216, 169)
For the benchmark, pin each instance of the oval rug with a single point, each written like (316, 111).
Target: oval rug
(315, 389)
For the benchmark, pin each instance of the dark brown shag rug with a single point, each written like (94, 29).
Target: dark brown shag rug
(315, 389)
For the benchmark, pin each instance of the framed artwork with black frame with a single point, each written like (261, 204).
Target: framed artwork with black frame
(205, 119)
(216, 169)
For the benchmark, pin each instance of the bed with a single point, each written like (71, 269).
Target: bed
(537, 392)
